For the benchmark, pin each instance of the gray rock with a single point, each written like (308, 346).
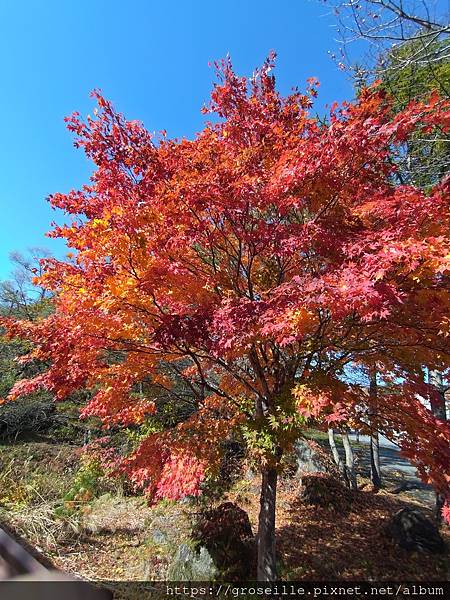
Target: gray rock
(165, 529)
(226, 532)
(158, 536)
(311, 458)
(412, 530)
(189, 564)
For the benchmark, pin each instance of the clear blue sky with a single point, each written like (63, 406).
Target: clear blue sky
(151, 58)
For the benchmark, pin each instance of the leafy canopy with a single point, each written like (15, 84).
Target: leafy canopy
(255, 262)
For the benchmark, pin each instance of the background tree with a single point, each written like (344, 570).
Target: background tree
(259, 259)
(388, 24)
(438, 389)
(375, 468)
(424, 159)
(20, 299)
(408, 49)
(19, 296)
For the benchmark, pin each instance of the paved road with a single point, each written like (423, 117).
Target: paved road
(365, 439)
(396, 470)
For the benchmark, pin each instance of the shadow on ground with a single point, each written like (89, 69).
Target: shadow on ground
(328, 545)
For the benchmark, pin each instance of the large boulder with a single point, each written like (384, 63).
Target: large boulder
(325, 491)
(310, 457)
(168, 545)
(412, 530)
(226, 533)
(192, 564)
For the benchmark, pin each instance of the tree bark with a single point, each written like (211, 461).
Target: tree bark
(349, 462)
(336, 457)
(437, 404)
(375, 470)
(267, 568)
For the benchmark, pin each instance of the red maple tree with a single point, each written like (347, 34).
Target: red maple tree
(255, 262)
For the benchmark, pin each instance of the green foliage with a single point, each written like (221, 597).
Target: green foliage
(135, 435)
(14, 492)
(10, 370)
(35, 413)
(406, 76)
(224, 477)
(85, 487)
(262, 435)
(416, 78)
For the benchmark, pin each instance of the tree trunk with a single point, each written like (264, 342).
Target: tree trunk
(437, 400)
(437, 404)
(267, 569)
(349, 462)
(336, 457)
(375, 470)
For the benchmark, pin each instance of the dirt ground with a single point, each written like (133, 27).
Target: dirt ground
(114, 538)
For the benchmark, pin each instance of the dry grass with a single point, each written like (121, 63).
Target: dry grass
(109, 514)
